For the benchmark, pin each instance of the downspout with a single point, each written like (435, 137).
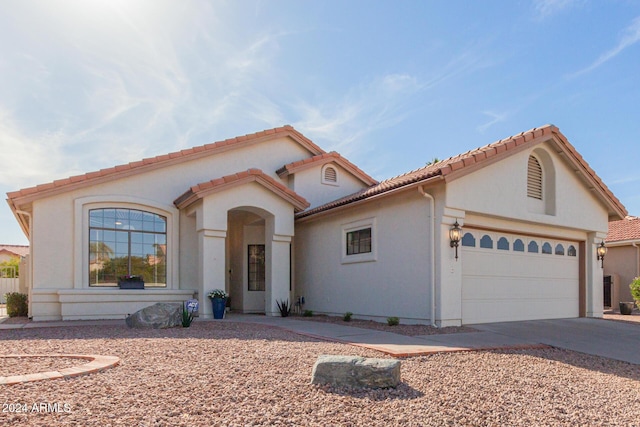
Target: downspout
(30, 286)
(432, 227)
(635, 245)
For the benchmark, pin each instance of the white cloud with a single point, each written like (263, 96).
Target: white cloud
(547, 8)
(629, 37)
(495, 118)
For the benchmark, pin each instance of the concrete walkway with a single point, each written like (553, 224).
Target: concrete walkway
(613, 340)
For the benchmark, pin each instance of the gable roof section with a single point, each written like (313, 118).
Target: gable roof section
(27, 195)
(624, 230)
(321, 159)
(202, 190)
(465, 163)
(18, 250)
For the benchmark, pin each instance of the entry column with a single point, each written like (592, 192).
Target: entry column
(211, 266)
(278, 272)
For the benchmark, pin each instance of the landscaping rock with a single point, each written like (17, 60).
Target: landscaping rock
(353, 371)
(158, 316)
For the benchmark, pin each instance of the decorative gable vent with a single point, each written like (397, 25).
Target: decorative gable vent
(534, 178)
(330, 174)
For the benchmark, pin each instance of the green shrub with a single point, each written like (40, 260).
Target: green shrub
(635, 289)
(347, 316)
(393, 321)
(307, 313)
(16, 304)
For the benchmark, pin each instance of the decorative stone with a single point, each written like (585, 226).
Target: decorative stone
(354, 371)
(158, 316)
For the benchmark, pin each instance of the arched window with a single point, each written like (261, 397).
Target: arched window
(559, 249)
(503, 244)
(546, 248)
(533, 247)
(329, 175)
(571, 251)
(534, 178)
(486, 242)
(518, 245)
(127, 242)
(469, 240)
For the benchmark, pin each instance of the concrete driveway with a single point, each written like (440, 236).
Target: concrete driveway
(615, 340)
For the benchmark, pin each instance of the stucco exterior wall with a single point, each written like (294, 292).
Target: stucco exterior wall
(500, 189)
(622, 260)
(309, 183)
(397, 283)
(60, 225)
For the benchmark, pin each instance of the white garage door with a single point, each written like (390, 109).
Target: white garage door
(508, 277)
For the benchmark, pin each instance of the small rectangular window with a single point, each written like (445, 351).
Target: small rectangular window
(256, 261)
(359, 241)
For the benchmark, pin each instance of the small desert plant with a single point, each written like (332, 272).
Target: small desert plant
(188, 308)
(284, 307)
(307, 313)
(393, 321)
(635, 290)
(16, 304)
(347, 316)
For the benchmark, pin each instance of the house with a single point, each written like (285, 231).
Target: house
(9, 252)
(622, 261)
(271, 216)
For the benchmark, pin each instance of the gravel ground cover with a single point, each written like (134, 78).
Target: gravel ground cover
(232, 374)
(28, 365)
(402, 329)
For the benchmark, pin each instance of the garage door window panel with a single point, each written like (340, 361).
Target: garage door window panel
(518, 245)
(486, 242)
(469, 240)
(533, 247)
(503, 244)
(546, 248)
(559, 249)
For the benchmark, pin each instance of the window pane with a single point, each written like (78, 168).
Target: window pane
(571, 251)
(486, 242)
(469, 240)
(518, 245)
(546, 248)
(503, 244)
(256, 255)
(117, 247)
(559, 249)
(533, 247)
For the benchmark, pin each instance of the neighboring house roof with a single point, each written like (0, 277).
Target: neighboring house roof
(462, 164)
(321, 159)
(229, 181)
(627, 229)
(18, 250)
(27, 195)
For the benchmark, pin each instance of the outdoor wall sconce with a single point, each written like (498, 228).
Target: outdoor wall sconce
(601, 251)
(455, 234)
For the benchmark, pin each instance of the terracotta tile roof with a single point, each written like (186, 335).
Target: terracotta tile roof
(321, 159)
(29, 194)
(461, 164)
(203, 189)
(624, 229)
(19, 250)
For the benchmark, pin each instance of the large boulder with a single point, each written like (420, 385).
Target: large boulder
(157, 316)
(353, 371)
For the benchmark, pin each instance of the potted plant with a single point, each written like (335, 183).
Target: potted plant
(131, 281)
(218, 302)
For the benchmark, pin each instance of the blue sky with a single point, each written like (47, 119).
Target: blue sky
(89, 84)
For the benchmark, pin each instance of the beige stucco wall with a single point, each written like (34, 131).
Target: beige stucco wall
(60, 230)
(397, 283)
(495, 197)
(623, 261)
(309, 182)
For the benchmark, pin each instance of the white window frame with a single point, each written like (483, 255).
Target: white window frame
(355, 226)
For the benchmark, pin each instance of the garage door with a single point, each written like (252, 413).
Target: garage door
(508, 277)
